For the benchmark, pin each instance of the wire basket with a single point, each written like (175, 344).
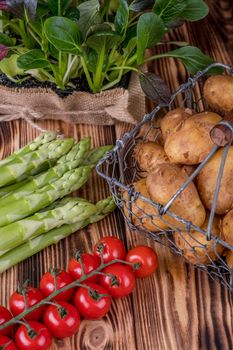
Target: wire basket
(119, 168)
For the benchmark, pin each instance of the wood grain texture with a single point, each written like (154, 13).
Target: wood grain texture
(177, 308)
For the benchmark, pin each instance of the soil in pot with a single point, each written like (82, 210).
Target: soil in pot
(80, 84)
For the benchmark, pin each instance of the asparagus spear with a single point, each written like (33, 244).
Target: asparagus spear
(25, 206)
(35, 245)
(32, 146)
(79, 151)
(26, 163)
(67, 211)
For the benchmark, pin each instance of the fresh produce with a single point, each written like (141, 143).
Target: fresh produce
(67, 162)
(218, 93)
(30, 147)
(70, 161)
(172, 121)
(6, 343)
(59, 41)
(163, 183)
(37, 337)
(56, 280)
(146, 257)
(119, 280)
(196, 248)
(191, 142)
(227, 227)
(33, 246)
(89, 305)
(207, 178)
(142, 212)
(65, 212)
(5, 316)
(149, 155)
(229, 258)
(32, 296)
(29, 162)
(71, 181)
(62, 319)
(86, 261)
(110, 248)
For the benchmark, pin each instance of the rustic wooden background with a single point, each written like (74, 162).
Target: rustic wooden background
(177, 308)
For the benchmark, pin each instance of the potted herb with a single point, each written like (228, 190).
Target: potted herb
(86, 45)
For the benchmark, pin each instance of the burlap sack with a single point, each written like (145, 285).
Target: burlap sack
(81, 107)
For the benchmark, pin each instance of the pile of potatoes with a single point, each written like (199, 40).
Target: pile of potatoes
(185, 144)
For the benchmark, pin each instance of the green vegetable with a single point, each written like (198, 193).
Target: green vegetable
(67, 162)
(67, 212)
(97, 41)
(32, 146)
(35, 245)
(70, 161)
(27, 163)
(25, 206)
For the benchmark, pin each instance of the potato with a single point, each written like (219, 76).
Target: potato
(227, 227)
(191, 142)
(171, 121)
(149, 155)
(218, 93)
(163, 183)
(140, 209)
(207, 178)
(189, 169)
(205, 251)
(229, 258)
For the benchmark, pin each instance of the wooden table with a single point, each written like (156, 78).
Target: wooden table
(177, 308)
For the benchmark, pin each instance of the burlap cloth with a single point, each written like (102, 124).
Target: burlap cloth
(125, 105)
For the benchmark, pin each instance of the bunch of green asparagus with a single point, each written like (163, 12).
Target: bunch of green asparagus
(35, 211)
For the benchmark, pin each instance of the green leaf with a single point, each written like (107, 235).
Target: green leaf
(6, 40)
(192, 57)
(169, 10)
(150, 29)
(53, 5)
(64, 34)
(195, 10)
(73, 14)
(131, 33)
(89, 15)
(122, 17)
(93, 60)
(131, 46)
(140, 5)
(42, 10)
(9, 66)
(32, 59)
(107, 38)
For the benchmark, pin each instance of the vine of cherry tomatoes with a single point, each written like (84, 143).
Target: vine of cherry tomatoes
(60, 317)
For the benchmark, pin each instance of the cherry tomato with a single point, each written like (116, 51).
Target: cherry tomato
(5, 316)
(146, 257)
(90, 263)
(124, 280)
(113, 248)
(62, 320)
(63, 278)
(26, 340)
(33, 296)
(88, 306)
(4, 341)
